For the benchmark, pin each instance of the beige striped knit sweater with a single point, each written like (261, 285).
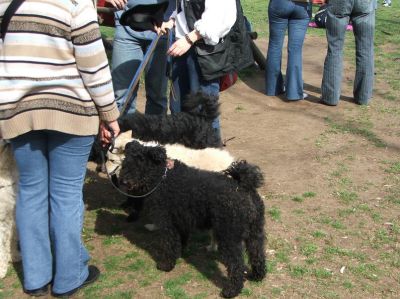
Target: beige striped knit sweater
(54, 72)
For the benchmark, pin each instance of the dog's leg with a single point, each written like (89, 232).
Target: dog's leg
(137, 204)
(255, 250)
(232, 257)
(255, 244)
(171, 248)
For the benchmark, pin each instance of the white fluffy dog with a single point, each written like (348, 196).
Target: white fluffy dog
(211, 159)
(8, 188)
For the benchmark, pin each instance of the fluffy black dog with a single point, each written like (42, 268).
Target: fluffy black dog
(183, 199)
(192, 127)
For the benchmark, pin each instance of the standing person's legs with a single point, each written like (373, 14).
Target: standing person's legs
(364, 26)
(298, 24)
(126, 58)
(156, 79)
(278, 23)
(68, 156)
(332, 77)
(186, 79)
(180, 82)
(32, 209)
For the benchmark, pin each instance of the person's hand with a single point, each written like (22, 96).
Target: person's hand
(182, 45)
(105, 134)
(119, 4)
(165, 26)
(178, 48)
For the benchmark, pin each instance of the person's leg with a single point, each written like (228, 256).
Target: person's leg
(68, 156)
(126, 58)
(180, 82)
(32, 208)
(278, 22)
(206, 87)
(156, 77)
(298, 23)
(364, 26)
(332, 77)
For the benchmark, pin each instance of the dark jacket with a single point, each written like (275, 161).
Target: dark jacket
(231, 54)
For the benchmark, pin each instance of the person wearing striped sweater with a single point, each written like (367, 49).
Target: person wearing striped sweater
(56, 94)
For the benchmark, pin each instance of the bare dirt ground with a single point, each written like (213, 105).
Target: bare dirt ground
(326, 184)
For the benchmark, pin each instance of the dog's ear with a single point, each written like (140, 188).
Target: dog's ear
(133, 147)
(157, 154)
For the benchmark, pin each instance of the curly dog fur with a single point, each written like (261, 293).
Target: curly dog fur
(192, 127)
(187, 199)
(212, 159)
(8, 191)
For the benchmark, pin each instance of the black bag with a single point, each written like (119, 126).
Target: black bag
(231, 54)
(321, 15)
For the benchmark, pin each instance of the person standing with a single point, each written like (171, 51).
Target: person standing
(293, 16)
(129, 48)
(55, 96)
(361, 13)
(201, 29)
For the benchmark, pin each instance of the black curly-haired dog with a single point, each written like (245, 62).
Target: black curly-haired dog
(192, 127)
(183, 199)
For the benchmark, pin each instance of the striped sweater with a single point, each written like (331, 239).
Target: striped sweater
(54, 72)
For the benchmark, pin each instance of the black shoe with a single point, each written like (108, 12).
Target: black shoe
(43, 291)
(94, 273)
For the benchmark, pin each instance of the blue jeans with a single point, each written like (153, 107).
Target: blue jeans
(129, 48)
(362, 15)
(292, 16)
(186, 79)
(49, 210)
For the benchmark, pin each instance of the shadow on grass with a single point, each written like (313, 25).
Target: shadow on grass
(194, 254)
(101, 197)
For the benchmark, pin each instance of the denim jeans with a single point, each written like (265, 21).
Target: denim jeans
(49, 210)
(186, 79)
(362, 15)
(129, 48)
(292, 16)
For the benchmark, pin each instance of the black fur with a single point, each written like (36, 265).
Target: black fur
(189, 199)
(191, 127)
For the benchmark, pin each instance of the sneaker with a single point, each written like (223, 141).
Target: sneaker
(305, 95)
(387, 5)
(43, 291)
(94, 273)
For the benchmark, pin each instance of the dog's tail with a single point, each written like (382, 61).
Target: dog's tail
(248, 176)
(199, 104)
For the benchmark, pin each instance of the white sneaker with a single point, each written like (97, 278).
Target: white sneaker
(305, 95)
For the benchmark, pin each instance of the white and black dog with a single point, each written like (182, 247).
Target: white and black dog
(8, 190)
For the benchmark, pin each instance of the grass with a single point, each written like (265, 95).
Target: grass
(348, 218)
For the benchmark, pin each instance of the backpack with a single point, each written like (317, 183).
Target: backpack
(321, 16)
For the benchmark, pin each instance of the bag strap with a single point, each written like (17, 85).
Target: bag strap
(10, 11)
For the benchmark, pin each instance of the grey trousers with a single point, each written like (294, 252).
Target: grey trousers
(362, 15)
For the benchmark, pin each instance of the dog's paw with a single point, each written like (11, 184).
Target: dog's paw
(255, 275)
(229, 292)
(165, 266)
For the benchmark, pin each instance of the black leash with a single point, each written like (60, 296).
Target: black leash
(10, 11)
(112, 176)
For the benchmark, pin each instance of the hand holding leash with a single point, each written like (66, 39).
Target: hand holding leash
(108, 132)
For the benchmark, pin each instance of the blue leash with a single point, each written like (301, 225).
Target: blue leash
(131, 89)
